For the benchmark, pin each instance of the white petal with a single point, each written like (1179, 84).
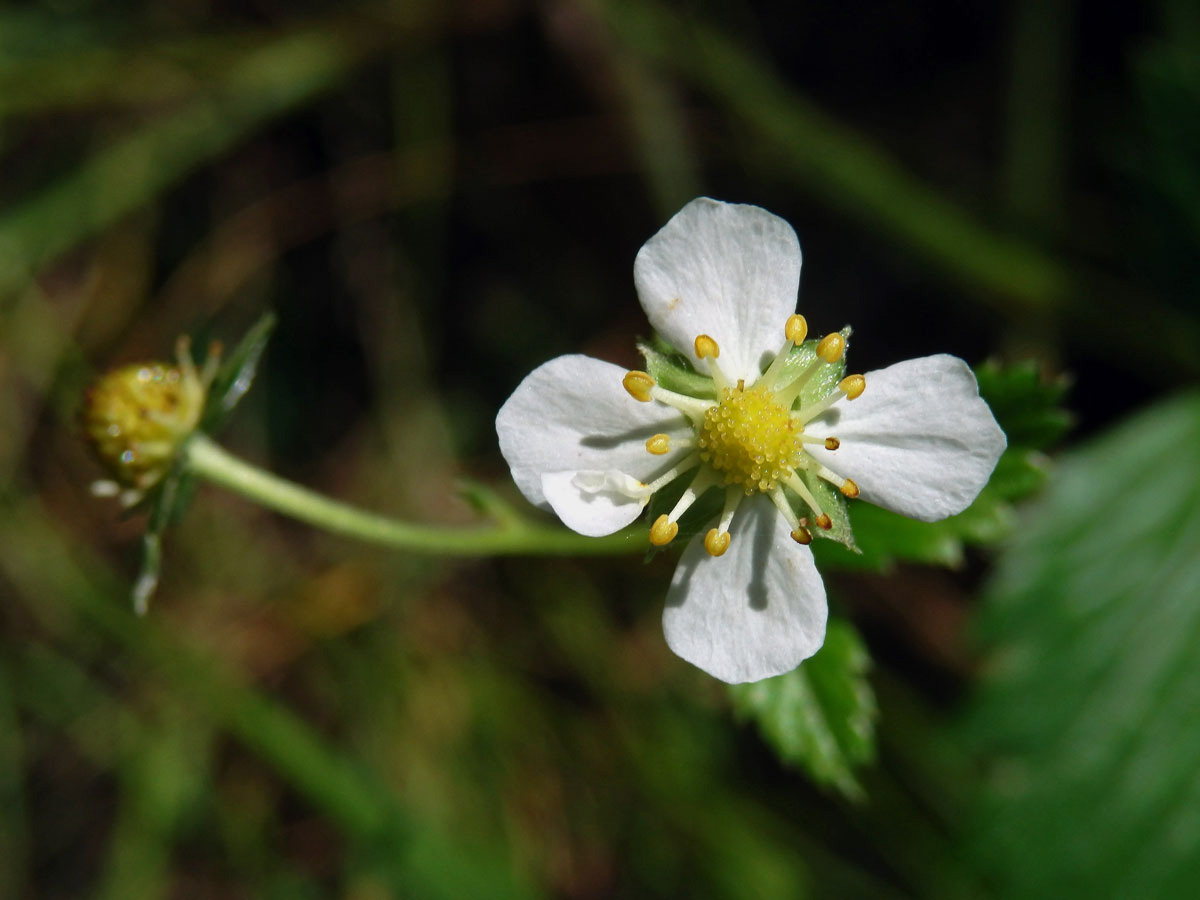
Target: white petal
(755, 612)
(573, 414)
(919, 441)
(592, 509)
(726, 270)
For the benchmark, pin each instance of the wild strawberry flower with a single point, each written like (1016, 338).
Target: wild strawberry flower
(596, 443)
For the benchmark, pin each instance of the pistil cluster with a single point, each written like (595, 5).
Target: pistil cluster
(751, 438)
(136, 417)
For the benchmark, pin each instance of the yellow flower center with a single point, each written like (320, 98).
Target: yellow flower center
(750, 438)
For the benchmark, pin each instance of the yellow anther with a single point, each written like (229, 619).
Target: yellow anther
(716, 542)
(832, 347)
(849, 488)
(852, 386)
(832, 443)
(802, 535)
(706, 347)
(663, 531)
(796, 329)
(638, 384)
(659, 444)
(823, 521)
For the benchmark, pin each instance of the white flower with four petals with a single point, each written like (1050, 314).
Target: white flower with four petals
(595, 443)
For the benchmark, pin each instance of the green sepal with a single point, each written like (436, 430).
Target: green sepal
(820, 716)
(165, 503)
(236, 374)
(672, 370)
(825, 379)
(834, 505)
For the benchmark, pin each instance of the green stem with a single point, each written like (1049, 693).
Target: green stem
(511, 537)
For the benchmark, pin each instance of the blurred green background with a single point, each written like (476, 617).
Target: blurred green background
(434, 198)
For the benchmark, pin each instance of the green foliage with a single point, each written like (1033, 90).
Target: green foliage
(820, 716)
(1088, 706)
(1027, 405)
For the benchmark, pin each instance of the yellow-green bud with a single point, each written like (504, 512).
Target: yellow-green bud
(137, 417)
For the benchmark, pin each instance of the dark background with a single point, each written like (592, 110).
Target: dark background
(434, 199)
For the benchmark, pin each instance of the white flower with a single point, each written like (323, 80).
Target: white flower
(594, 442)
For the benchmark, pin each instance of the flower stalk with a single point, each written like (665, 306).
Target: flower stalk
(508, 535)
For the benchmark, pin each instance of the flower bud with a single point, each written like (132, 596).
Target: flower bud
(137, 417)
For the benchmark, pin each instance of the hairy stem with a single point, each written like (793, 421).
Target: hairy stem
(514, 536)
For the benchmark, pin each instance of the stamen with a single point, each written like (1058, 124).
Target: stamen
(791, 390)
(716, 542)
(702, 482)
(659, 445)
(796, 483)
(212, 362)
(691, 407)
(707, 349)
(779, 498)
(733, 498)
(183, 355)
(829, 443)
(807, 413)
(824, 522)
(639, 385)
(663, 531)
(853, 386)
(846, 485)
(831, 347)
(802, 536)
(687, 463)
(794, 331)
(796, 328)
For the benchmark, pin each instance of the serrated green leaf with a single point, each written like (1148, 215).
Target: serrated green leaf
(820, 716)
(1027, 404)
(1088, 708)
(236, 374)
